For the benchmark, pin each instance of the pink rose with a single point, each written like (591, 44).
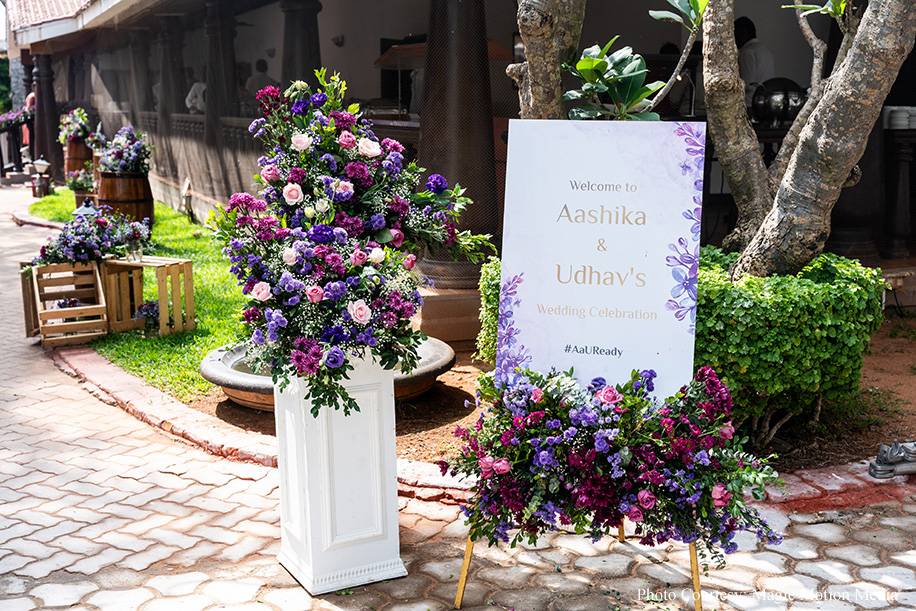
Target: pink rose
(635, 514)
(369, 148)
(397, 238)
(292, 193)
(486, 466)
(609, 396)
(358, 257)
(314, 293)
(270, 173)
(727, 431)
(301, 142)
(347, 140)
(345, 186)
(502, 466)
(290, 256)
(720, 495)
(409, 261)
(359, 311)
(261, 291)
(537, 394)
(646, 499)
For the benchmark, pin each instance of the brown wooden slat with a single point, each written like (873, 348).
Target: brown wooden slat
(123, 296)
(77, 326)
(69, 340)
(64, 267)
(175, 282)
(163, 301)
(79, 312)
(80, 294)
(189, 295)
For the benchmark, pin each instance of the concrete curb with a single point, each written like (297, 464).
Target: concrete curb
(22, 217)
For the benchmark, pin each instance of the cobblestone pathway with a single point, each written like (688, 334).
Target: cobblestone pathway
(99, 511)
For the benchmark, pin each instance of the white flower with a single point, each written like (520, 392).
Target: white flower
(301, 142)
(290, 256)
(322, 206)
(292, 193)
(377, 255)
(309, 212)
(369, 148)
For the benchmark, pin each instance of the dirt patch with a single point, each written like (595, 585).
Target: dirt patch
(884, 411)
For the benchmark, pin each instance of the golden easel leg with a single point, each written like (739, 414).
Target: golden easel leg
(463, 579)
(695, 570)
(620, 535)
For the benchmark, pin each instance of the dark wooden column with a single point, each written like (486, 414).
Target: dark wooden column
(301, 50)
(456, 125)
(222, 91)
(171, 93)
(897, 216)
(140, 86)
(47, 121)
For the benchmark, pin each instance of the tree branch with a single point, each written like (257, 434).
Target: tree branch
(790, 141)
(677, 70)
(734, 138)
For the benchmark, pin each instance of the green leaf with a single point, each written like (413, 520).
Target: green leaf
(607, 47)
(681, 5)
(666, 16)
(590, 68)
(634, 75)
(588, 111)
(576, 94)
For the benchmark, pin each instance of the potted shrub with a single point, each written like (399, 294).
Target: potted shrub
(124, 175)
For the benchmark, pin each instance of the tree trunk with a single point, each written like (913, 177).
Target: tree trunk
(550, 30)
(732, 135)
(831, 143)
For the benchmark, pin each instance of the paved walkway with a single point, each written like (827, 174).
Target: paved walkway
(99, 511)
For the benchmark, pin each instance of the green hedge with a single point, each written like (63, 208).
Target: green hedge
(780, 343)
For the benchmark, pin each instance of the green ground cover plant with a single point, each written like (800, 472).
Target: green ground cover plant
(170, 363)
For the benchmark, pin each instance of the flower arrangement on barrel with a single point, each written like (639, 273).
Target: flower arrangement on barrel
(128, 152)
(549, 453)
(74, 127)
(327, 253)
(80, 180)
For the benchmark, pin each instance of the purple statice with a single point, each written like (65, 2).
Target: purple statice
(328, 159)
(335, 290)
(376, 222)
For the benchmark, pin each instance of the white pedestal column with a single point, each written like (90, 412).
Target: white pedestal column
(338, 485)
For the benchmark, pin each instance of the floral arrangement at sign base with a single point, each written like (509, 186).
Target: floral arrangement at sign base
(327, 252)
(550, 454)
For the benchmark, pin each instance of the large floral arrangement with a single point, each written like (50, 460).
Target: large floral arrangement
(15, 118)
(327, 254)
(74, 127)
(127, 153)
(86, 238)
(550, 453)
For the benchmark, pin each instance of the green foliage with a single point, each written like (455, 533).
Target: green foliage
(57, 207)
(621, 76)
(170, 363)
(777, 341)
(691, 12)
(834, 8)
(489, 310)
(780, 341)
(6, 102)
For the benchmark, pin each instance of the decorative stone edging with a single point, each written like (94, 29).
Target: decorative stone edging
(807, 490)
(22, 217)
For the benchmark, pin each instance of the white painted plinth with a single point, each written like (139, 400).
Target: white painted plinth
(338, 485)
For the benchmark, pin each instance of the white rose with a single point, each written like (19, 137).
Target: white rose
(323, 206)
(369, 148)
(301, 142)
(309, 212)
(290, 256)
(377, 255)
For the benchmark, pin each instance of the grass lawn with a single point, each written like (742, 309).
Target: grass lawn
(170, 363)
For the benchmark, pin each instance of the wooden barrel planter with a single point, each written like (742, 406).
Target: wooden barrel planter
(128, 193)
(96, 158)
(76, 156)
(80, 196)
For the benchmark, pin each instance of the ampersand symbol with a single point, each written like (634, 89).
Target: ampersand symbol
(601, 246)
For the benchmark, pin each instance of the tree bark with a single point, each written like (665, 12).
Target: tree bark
(732, 135)
(831, 143)
(550, 30)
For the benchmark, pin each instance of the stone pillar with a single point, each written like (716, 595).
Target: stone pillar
(47, 121)
(456, 124)
(301, 49)
(140, 86)
(171, 93)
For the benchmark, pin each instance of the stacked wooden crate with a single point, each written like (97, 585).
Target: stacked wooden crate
(52, 285)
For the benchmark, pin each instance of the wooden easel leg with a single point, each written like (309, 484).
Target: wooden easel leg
(695, 570)
(620, 534)
(463, 579)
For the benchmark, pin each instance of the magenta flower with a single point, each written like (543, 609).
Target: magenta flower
(646, 499)
(720, 495)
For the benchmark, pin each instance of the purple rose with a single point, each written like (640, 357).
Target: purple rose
(437, 184)
(334, 357)
(321, 234)
(300, 107)
(318, 100)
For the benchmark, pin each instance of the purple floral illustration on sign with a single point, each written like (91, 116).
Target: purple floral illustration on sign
(685, 262)
(511, 356)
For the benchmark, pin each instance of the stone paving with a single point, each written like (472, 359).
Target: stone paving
(101, 511)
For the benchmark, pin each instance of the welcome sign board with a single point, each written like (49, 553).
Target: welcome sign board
(601, 249)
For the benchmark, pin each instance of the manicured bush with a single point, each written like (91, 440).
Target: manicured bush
(781, 344)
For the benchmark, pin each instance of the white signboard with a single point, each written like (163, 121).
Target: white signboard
(600, 249)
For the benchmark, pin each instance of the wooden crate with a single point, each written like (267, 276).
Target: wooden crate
(29, 307)
(65, 326)
(174, 290)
